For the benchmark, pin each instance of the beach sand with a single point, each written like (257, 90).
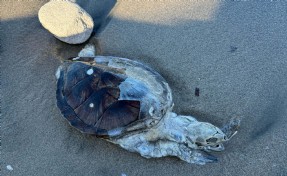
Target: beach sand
(233, 51)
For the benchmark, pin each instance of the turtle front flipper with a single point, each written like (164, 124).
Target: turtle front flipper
(161, 148)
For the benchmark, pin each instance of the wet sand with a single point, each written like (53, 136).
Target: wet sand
(234, 52)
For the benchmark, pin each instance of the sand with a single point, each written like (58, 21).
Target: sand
(233, 51)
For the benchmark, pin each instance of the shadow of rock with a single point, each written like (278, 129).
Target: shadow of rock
(99, 11)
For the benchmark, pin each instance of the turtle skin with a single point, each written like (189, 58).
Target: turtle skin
(97, 98)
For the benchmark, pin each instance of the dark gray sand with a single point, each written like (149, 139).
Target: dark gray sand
(235, 52)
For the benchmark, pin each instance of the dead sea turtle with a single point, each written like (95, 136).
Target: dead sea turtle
(130, 104)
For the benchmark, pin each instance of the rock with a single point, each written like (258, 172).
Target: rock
(66, 21)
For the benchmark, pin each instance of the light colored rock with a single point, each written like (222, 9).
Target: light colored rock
(66, 21)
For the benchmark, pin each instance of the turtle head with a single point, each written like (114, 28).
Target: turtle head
(194, 134)
(206, 136)
(202, 135)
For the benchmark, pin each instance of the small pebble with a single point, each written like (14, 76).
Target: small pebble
(9, 167)
(196, 92)
(233, 49)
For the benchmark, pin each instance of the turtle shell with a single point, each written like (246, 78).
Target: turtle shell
(108, 96)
